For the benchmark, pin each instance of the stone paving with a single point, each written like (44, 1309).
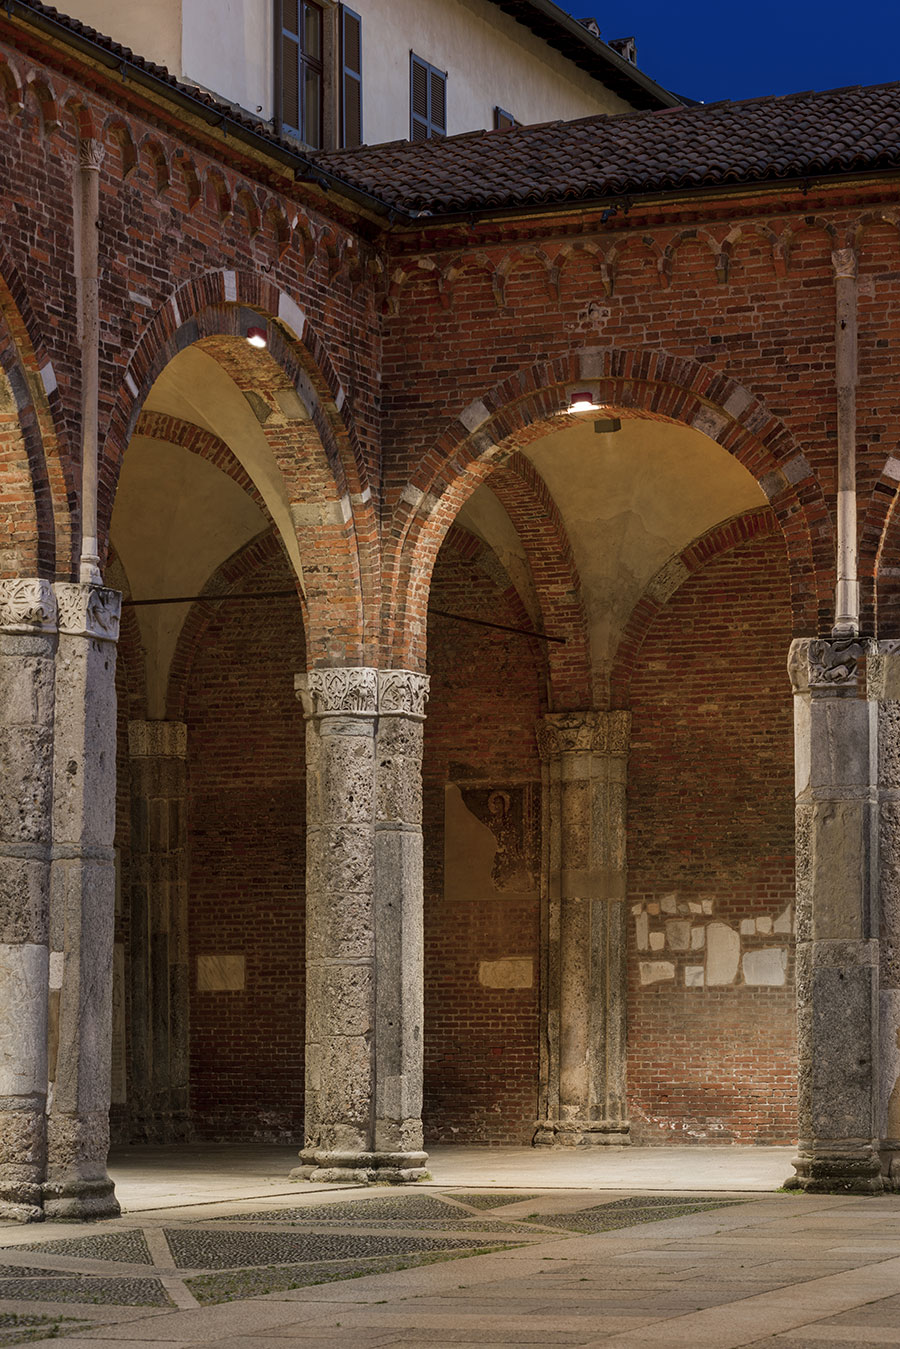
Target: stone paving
(379, 1269)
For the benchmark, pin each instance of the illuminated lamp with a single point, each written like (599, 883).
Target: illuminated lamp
(257, 338)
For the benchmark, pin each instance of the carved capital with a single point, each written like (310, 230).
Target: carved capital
(817, 663)
(574, 732)
(91, 154)
(402, 693)
(883, 671)
(843, 260)
(340, 692)
(157, 740)
(27, 604)
(88, 610)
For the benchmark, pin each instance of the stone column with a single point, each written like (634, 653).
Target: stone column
(363, 926)
(583, 1052)
(837, 932)
(399, 936)
(83, 901)
(883, 687)
(27, 654)
(159, 944)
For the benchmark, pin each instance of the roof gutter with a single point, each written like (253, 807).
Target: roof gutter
(623, 201)
(604, 51)
(217, 118)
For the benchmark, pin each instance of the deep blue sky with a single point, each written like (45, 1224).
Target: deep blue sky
(714, 49)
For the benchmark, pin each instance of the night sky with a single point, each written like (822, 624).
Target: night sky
(713, 49)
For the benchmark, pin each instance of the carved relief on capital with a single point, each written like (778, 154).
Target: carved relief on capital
(27, 604)
(819, 663)
(345, 691)
(573, 732)
(88, 610)
(91, 154)
(844, 262)
(883, 670)
(402, 693)
(157, 740)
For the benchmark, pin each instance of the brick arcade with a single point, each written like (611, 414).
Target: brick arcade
(325, 856)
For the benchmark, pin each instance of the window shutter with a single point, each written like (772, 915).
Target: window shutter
(418, 99)
(438, 104)
(351, 78)
(503, 120)
(427, 100)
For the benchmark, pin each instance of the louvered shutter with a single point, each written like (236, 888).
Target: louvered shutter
(427, 100)
(503, 120)
(418, 100)
(290, 67)
(351, 78)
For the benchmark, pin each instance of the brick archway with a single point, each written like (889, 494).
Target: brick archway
(643, 384)
(327, 486)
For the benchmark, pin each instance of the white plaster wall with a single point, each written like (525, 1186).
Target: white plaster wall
(474, 42)
(150, 30)
(228, 46)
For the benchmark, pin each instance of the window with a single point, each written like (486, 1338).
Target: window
(502, 120)
(301, 70)
(427, 100)
(351, 78)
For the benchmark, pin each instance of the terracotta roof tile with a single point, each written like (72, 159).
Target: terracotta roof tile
(757, 141)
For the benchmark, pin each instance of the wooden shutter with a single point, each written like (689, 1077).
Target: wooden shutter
(503, 120)
(351, 78)
(418, 100)
(427, 100)
(289, 66)
(438, 103)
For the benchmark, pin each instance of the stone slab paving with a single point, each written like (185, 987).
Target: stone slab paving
(397, 1269)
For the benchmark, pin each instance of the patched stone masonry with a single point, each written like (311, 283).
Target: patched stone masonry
(583, 1052)
(682, 941)
(159, 970)
(27, 658)
(837, 922)
(883, 688)
(364, 924)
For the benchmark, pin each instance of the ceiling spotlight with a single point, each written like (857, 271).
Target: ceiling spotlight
(257, 338)
(583, 401)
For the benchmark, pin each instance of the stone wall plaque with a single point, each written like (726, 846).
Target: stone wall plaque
(221, 973)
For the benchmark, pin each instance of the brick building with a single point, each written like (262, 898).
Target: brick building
(567, 434)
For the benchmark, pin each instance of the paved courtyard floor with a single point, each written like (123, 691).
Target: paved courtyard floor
(241, 1259)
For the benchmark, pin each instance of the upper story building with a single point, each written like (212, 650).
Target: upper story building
(336, 76)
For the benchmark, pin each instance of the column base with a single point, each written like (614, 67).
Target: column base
(78, 1198)
(592, 1133)
(21, 1201)
(835, 1169)
(361, 1168)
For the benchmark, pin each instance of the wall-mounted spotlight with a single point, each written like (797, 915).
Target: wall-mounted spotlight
(257, 338)
(582, 400)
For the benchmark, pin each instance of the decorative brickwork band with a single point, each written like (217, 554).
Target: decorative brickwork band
(27, 605)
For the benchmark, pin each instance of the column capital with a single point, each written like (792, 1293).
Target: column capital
(819, 664)
(338, 692)
(883, 671)
(402, 693)
(87, 610)
(576, 732)
(157, 740)
(27, 605)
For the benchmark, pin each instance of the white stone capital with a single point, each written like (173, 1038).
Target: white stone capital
(88, 610)
(598, 732)
(338, 692)
(27, 605)
(402, 693)
(817, 664)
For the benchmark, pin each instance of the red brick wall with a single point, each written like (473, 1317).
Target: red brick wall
(711, 819)
(481, 1044)
(247, 847)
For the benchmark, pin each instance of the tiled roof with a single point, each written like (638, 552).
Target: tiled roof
(758, 141)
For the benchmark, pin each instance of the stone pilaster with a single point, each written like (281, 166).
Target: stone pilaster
(883, 688)
(82, 901)
(399, 937)
(159, 947)
(584, 758)
(837, 933)
(27, 655)
(363, 926)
